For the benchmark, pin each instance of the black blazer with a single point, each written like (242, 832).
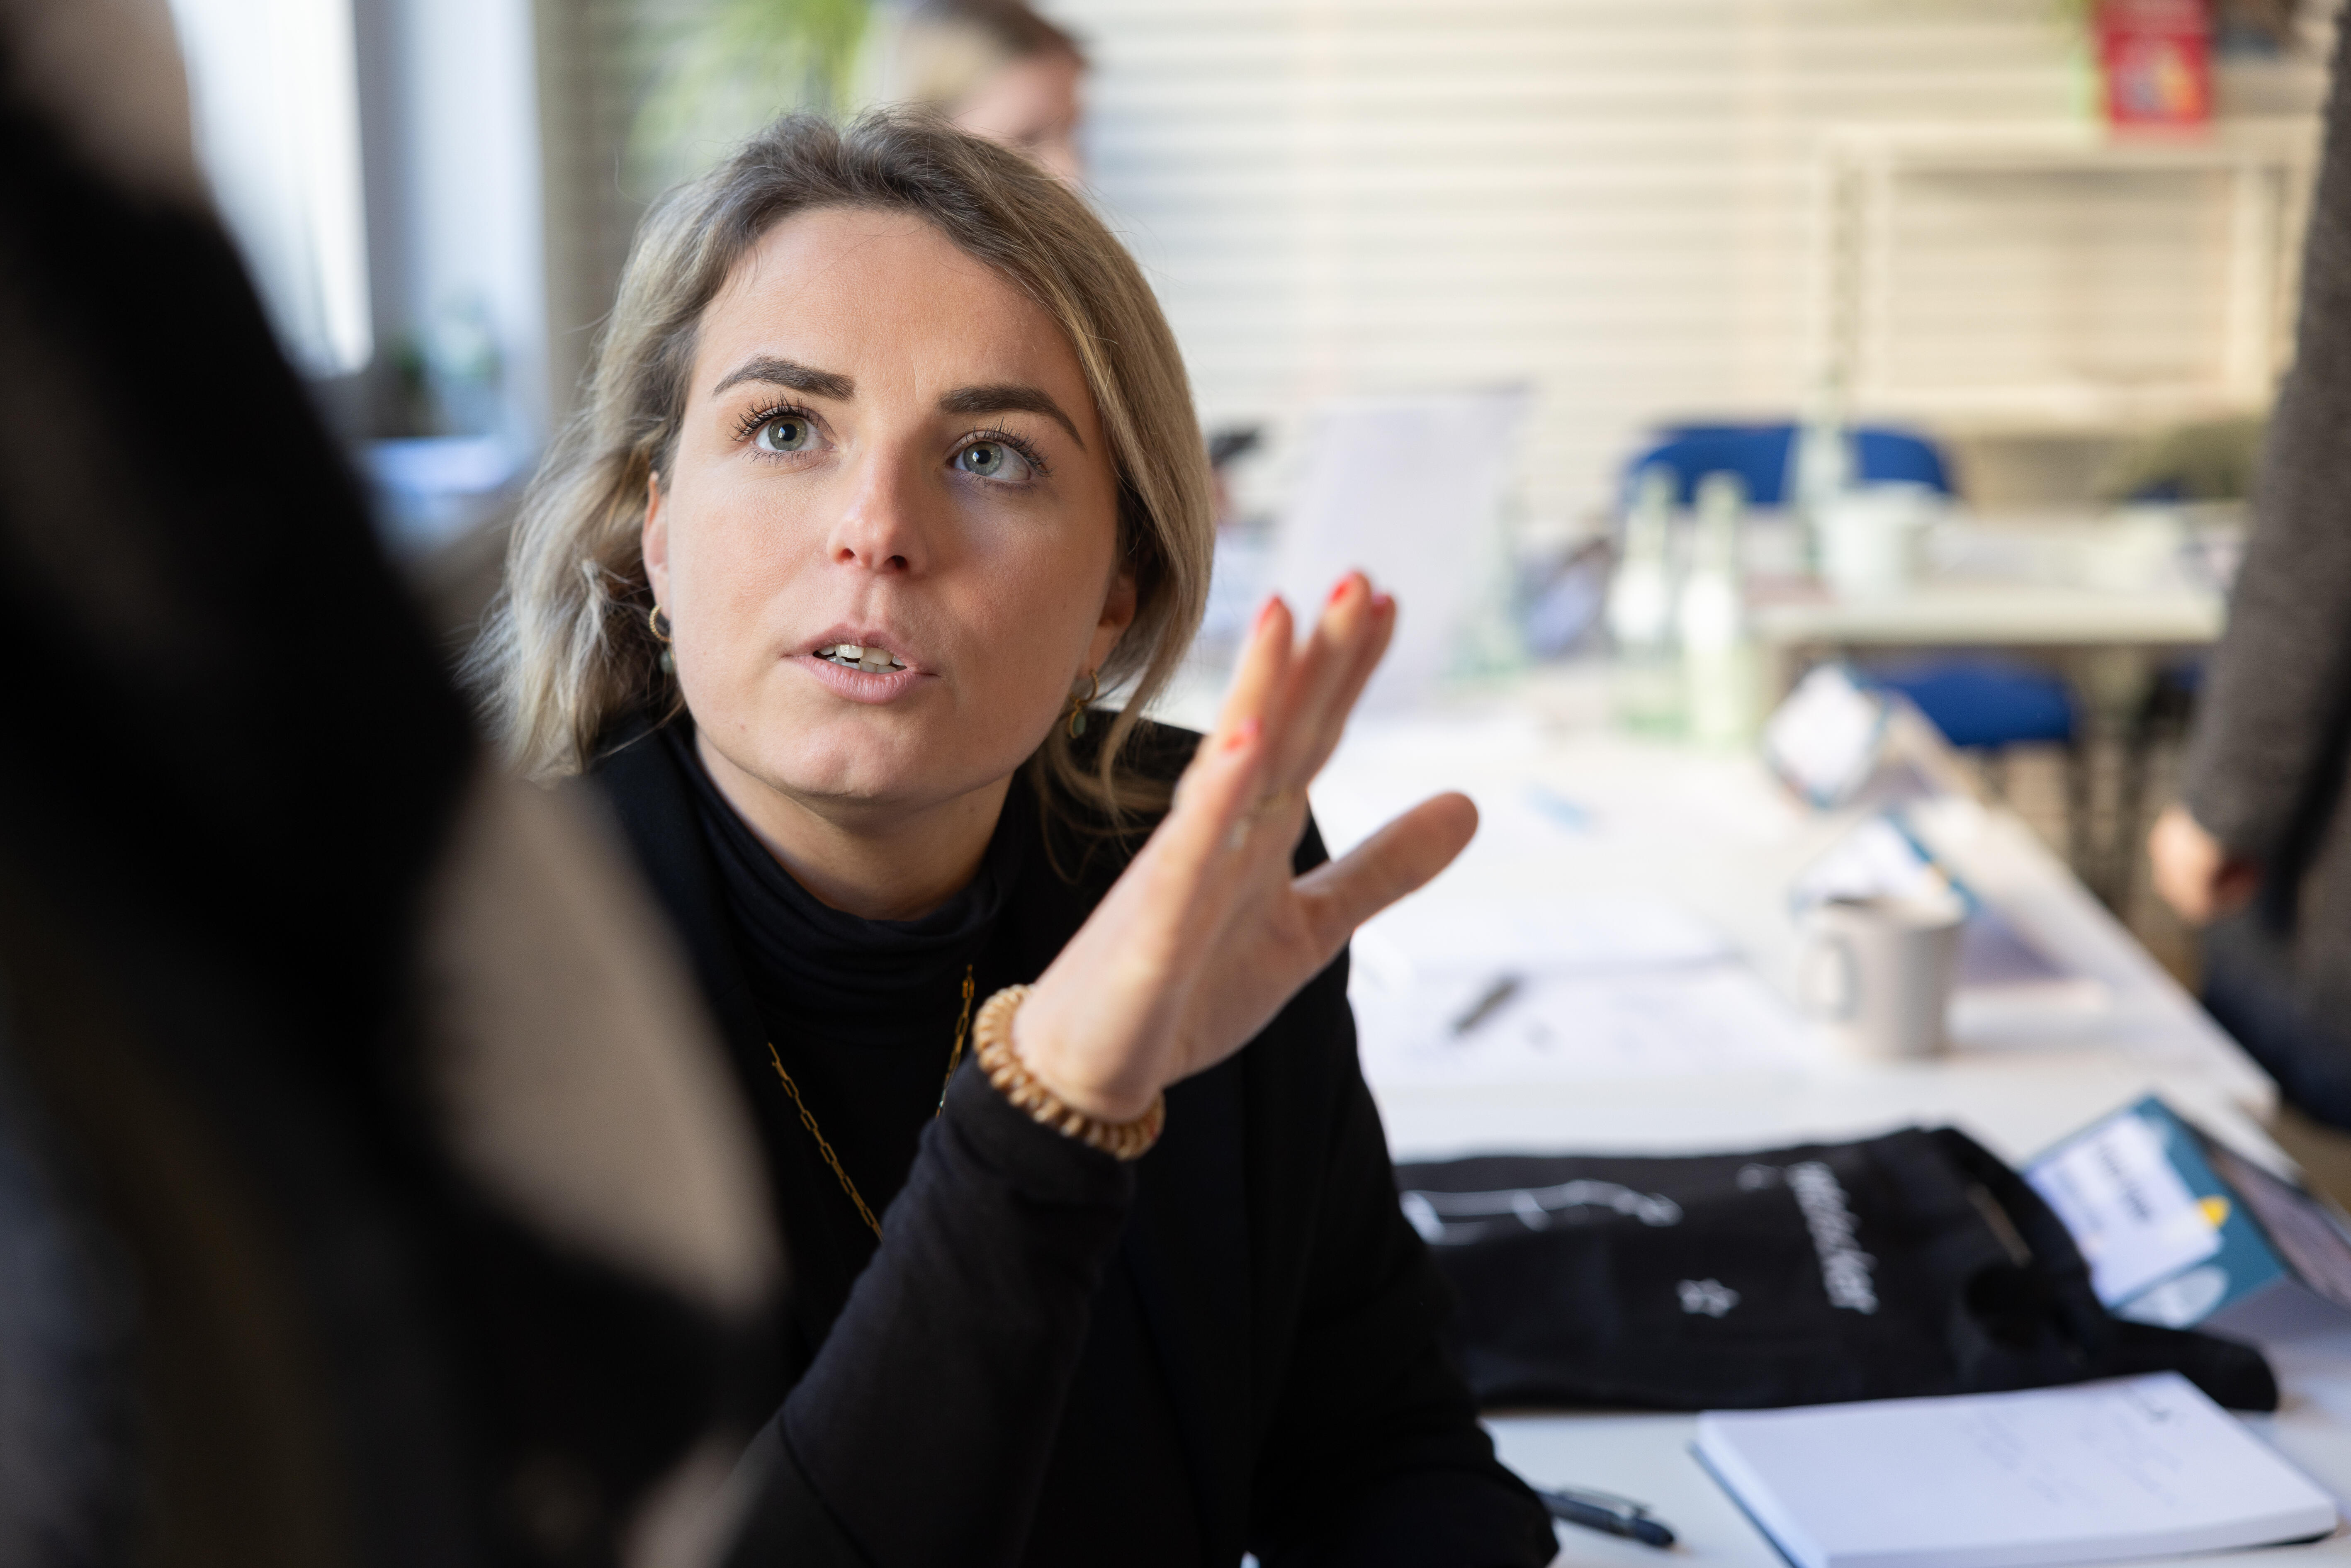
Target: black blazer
(1231, 1343)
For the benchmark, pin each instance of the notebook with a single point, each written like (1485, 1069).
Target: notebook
(2140, 1466)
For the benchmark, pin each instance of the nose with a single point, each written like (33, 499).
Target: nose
(881, 529)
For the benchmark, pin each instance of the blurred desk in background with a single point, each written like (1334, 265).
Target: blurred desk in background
(1601, 834)
(1944, 614)
(1694, 854)
(2105, 597)
(2116, 610)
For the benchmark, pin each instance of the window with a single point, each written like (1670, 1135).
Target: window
(275, 91)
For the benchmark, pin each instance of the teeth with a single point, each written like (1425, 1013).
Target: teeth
(851, 656)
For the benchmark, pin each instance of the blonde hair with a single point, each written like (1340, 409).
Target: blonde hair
(943, 51)
(566, 648)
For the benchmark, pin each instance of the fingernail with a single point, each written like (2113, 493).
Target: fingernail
(1382, 602)
(1265, 611)
(1339, 591)
(1244, 732)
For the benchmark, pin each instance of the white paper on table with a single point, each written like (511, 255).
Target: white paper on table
(1882, 857)
(1409, 490)
(1680, 1023)
(1877, 857)
(2126, 1204)
(1825, 738)
(1387, 764)
(1446, 938)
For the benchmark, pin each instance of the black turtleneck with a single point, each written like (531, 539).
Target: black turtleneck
(861, 1013)
(1054, 1358)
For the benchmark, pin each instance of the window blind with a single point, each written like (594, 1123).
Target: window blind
(1613, 202)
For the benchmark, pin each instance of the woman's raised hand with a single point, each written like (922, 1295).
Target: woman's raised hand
(1207, 934)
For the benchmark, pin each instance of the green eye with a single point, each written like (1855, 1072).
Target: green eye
(992, 460)
(787, 433)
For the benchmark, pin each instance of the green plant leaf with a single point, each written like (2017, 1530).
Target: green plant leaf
(720, 69)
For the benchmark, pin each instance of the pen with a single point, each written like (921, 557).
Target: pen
(1613, 1515)
(1503, 988)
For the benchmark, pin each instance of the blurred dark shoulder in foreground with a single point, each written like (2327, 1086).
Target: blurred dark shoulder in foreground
(369, 1188)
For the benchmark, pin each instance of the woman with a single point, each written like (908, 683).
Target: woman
(888, 469)
(996, 68)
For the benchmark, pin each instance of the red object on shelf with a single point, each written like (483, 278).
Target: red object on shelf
(2157, 59)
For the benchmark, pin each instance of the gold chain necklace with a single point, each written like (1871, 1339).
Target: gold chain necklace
(963, 1027)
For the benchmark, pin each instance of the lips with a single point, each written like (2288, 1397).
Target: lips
(871, 657)
(875, 650)
(863, 664)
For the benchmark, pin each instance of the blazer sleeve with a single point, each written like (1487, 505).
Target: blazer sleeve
(2267, 744)
(1374, 1456)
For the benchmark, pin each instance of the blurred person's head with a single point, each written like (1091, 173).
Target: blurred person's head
(996, 68)
(892, 388)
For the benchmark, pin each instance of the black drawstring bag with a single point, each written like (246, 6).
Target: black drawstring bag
(1910, 1264)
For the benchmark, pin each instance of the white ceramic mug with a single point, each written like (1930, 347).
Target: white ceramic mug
(1871, 539)
(1876, 973)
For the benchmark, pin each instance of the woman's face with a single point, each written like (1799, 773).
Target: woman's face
(1031, 106)
(887, 544)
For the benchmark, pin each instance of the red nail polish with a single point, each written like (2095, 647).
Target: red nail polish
(1382, 602)
(1339, 591)
(1245, 732)
(1265, 611)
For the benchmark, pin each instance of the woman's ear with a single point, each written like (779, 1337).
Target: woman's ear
(1117, 614)
(652, 540)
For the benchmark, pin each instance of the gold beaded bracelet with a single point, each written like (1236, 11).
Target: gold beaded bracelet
(991, 1035)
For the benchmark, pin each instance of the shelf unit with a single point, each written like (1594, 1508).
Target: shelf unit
(1868, 178)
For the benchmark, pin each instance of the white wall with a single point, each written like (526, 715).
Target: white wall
(1608, 199)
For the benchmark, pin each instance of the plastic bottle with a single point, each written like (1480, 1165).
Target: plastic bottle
(1822, 467)
(1720, 669)
(1647, 683)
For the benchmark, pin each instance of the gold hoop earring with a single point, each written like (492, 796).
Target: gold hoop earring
(659, 623)
(1078, 706)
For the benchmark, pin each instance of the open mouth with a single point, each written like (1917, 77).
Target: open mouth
(872, 660)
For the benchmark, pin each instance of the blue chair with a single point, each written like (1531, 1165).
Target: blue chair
(1762, 454)
(1986, 704)
(1983, 703)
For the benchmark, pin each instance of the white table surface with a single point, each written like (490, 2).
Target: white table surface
(2067, 581)
(1946, 614)
(1716, 834)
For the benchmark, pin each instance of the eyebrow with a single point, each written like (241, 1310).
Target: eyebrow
(1007, 397)
(793, 374)
(997, 397)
